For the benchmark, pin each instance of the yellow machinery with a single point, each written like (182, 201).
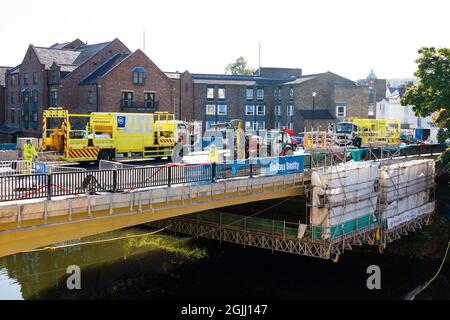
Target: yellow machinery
(359, 131)
(108, 136)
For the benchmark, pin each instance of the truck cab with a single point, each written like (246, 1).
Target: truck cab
(348, 133)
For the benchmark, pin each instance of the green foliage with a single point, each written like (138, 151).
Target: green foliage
(239, 67)
(443, 135)
(445, 158)
(431, 95)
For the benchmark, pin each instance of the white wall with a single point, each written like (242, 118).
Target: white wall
(390, 108)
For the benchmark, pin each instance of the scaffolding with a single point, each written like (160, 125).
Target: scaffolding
(347, 204)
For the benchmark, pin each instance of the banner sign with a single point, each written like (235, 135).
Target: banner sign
(283, 165)
(410, 215)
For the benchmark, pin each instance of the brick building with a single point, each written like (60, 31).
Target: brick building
(108, 77)
(86, 78)
(3, 71)
(275, 97)
(376, 91)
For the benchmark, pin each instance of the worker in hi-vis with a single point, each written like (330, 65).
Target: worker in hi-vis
(213, 155)
(29, 154)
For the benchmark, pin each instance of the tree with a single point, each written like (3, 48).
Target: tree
(431, 95)
(239, 67)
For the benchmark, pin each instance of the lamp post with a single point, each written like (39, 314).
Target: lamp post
(314, 94)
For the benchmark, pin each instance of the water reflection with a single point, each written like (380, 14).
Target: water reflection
(42, 274)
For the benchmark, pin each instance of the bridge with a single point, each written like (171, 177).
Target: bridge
(41, 209)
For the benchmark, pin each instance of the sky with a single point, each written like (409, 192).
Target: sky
(348, 37)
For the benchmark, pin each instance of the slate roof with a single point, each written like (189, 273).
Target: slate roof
(302, 79)
(236, 79)
(318, 114)
(59, 45)
(3, 75)
(173, 75)
(62, 57)
(88, 51)
(109, 64)
(68, 58)
(14, 70)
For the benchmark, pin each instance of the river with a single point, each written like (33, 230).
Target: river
(164, 266)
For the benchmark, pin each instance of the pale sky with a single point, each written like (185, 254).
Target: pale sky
(348, 37)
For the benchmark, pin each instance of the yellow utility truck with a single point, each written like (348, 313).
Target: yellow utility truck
(108, 135)
(357, 132)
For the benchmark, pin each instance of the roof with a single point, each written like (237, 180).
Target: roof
(108, 65)
(59, 45)
(88, 51)
(173, 75)
(316, 114)
(232, 79)
(68, 58)
(225, 82)
(8, 129)
(3, 71)
(302, 79)
(47, 56)
(14, 70)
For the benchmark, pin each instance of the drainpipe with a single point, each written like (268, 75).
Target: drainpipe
(96, 96)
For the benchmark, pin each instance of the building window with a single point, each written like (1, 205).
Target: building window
(54, 98)
(12, 98)
(13, 80)
(222, 109)
(35, 116)
(248, 125)
(208, 124)
(221, 93)
(291, 93)
(35, 78)
(290, 110)
(210, 109)
(249, 93)
(35, 97)
(290, 126)
(277, 125)
(210, 93)
(149, 99)
(249, 110)
(261, 110)
(278, 110)
(139, 75)
(13, 116)
(260, 125)
(260, 94)
(90, 97)
(340, 111)
(127, 99)
(26, 97)
(54, 76)
(25, 78)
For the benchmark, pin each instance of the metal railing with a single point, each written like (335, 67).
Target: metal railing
(50, 184)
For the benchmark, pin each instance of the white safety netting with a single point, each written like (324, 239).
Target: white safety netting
(344, 196)
(406, 191)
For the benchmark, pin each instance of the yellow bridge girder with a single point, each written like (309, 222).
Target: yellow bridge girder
(36, 233)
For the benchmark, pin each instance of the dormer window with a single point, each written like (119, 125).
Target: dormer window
(139, 75)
